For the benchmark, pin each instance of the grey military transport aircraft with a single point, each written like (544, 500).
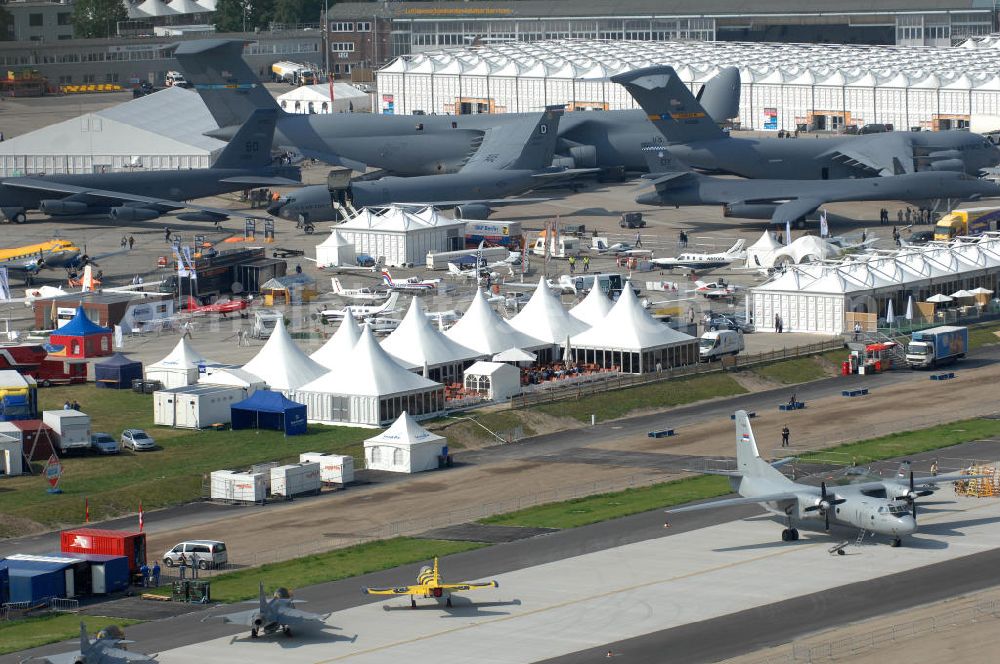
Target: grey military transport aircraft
(789, 201)
(409, 145)
(883, 507)
(694, 138)
(277, 614)
(105, 649)
(141, 196)
(508, 163)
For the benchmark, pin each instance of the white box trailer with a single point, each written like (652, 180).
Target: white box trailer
(236, 486)
(195, 406)
(72, 428)
(333, 468)
(295, 479)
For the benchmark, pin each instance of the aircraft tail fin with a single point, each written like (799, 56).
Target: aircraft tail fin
(390, 302)
(737, 248)
(660, 161)
(337, 287)
(720, 96)
(84, 640)
(192, 303)
(540, 146)
(227, 85)
(250, 147)
(263, 599)
(387, 278)
(669, 104)
(748, 459)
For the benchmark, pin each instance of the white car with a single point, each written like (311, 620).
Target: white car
(200, 553)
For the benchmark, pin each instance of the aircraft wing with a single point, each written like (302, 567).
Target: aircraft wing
(91, 195)
(470, 586)
(885, 154)
(400, 590)
(794, 209)
(239, 618)
(918, 482)
(493, 202)
(331, 158)
(728, 502)
(62, 658)
(116, 655)
(261, 181)
(294, 617)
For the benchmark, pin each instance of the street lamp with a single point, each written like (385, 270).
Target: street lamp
(326, 37)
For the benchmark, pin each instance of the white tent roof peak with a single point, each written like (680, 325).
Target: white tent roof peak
(405, 432)
(335, 239)
(333, 353)
(182, 356)
(282, 364)
(368, 371)
(629, 327)
(417, 342)
(593, 308)
(484, 331)
(545, 318)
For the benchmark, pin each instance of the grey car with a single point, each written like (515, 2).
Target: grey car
(104, 443)
(137, 440)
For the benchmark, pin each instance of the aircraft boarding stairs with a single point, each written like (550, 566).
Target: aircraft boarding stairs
(896, 355)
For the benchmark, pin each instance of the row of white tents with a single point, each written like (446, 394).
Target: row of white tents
(157, 8)
(354, 379)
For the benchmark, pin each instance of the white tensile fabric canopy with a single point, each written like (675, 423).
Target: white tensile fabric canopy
(593, 308)
(416, 343)
(761, 253)
(545, 318)
(806, 249)
(282, 364)
(338, 347)
(405, 447)
(335, 250)
(484, 331)
(180, 367)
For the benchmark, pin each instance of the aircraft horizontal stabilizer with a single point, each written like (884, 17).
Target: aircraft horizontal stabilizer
(567, 173)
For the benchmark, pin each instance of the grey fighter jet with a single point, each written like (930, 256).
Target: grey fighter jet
(697, 140)
(105, 649)
(408, 145)
(865, 506)
(512, 160)
(141, 196)
(277, 614)
(790, 201)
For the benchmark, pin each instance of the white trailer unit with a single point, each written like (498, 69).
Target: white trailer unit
(195, 406)
(295, 479)
(72, 428)
(232, 485)
(333, 468)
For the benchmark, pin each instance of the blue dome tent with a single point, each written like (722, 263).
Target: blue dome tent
(269, 410)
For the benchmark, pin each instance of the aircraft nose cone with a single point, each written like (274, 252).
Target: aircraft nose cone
(274, 209)
(648, 198)
(906, 526)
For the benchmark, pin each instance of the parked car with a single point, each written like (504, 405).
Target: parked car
(920, 237)
(203, 553)
(137, 440)
(726, 321)
(104, 443)
(632, 220)
(144, 88)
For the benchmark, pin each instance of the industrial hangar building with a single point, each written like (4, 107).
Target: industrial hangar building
(785, 86)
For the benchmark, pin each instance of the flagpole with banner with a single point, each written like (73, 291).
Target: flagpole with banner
(141, 520)
(86, 510)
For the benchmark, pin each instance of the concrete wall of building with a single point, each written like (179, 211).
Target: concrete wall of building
(41, 21)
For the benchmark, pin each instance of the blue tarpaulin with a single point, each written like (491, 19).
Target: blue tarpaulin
(269, 410)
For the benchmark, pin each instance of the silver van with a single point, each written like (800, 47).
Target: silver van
(203, 553)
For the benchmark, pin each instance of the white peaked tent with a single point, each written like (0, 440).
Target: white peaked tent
(806, 249)
(405, 447)
(417, 343)
(316, 99)
(403, 235)
(632, 340)
(335, 250)
(593, 308)
(760, 255)
(282, 364)
(233, 377)
(483, 330)
(179, 368)
(369, 389)
(334, 353)
(545, 318)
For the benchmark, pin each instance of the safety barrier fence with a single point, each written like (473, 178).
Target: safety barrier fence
(855, 645)
(18, 610)
(556, 391)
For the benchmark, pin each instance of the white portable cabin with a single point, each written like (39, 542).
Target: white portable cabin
(11, 456)
(405, 447)
(195, 406)
(497, 381)
(235, 486)
(333, 468)
(72, 428)
(295, 479)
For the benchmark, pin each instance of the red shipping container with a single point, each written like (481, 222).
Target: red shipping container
(132, 545)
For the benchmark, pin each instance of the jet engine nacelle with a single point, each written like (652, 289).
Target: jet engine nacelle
(948, 165)
(473, 211)
(56, 206)
(749, 210)
(945, 154)
(584, 156)
(128, 213)
(202, 215)
(563, 162)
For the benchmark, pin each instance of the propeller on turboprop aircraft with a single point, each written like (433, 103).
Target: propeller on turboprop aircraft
(912, 495)
(826, 501)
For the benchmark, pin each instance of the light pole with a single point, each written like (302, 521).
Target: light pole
(326, 37)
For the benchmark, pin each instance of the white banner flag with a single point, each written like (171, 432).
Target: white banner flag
(4, 285)
(824, 228)
(182, 270)
(189, 262)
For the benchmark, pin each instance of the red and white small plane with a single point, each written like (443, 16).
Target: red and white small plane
(411, 284)
(225, 307)
(715, 289)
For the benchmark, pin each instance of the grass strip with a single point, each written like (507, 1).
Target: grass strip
(330, 566)
(619, 403)
(17, 635)
(788, 372)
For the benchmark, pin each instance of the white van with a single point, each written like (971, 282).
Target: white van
(203, 553)
(720, 343)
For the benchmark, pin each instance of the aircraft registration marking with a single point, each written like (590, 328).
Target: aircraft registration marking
(686, 116)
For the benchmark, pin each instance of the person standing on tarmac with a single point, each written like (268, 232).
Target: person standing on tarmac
(784, 436)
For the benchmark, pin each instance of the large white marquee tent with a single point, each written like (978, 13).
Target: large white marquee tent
(182, 366)
(281, 364)
(418, 345)
(484, 331)
(816, 297)
(545, 318)
(403, 235)
(783, 84)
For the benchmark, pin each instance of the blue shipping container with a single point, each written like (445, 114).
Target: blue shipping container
(4, 586)
(33, 581)
(110, 576)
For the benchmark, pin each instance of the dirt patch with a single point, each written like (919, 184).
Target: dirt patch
(16, 526)
(752, 382)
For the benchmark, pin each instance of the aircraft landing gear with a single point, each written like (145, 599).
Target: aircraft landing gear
(309, 229)
(896, 543)
(789, 535)
(448, 603)
(287, 630)
(413, 603)
(253, 633)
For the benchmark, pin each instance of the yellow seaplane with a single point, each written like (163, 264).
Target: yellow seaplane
(429, 586)
(30, 259)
